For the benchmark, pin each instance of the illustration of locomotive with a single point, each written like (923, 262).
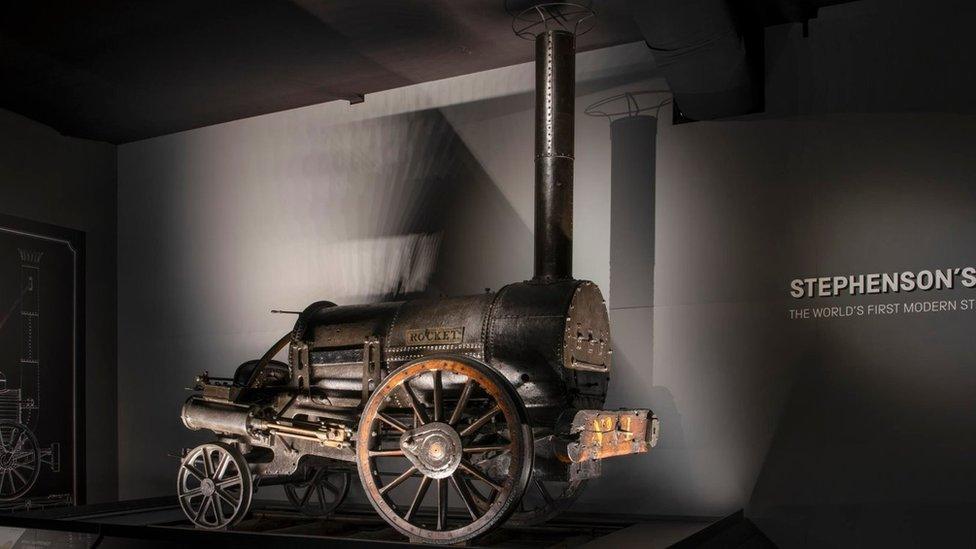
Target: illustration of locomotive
(21, 456)
(457, 414)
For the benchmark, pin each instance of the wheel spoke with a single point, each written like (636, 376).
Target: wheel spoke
(192, 493)
(222, 465)
(13, 483)
(399, 480)
(305, 497)
(392, 422)
(226, 497)
(194, 471)
(417, 498)
(316, 477)
(386, 453)
(218, 509)
(470, 429)
(20, 441)
(476, 494)
(483, 449)
(202, 510)
(441, 504)
(321, 493)
(20, 476)
(438, 396)
(462, 402)
(228, 482)
(418, 408)
(473, 471)
(462, 491)
(545, 493)
(208, 467)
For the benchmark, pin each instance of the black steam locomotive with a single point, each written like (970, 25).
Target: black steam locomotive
(457, 414)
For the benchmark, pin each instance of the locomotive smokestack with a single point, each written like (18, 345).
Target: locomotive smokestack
(554, 27)
(555, 96)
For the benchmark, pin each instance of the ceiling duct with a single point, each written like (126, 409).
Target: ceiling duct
(710, 53)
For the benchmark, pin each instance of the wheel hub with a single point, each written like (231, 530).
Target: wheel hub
(435, 449)
(6, 460)
(207, 487)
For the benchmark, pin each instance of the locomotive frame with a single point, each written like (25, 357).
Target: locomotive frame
(492, 400)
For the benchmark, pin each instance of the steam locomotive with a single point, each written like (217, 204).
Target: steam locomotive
(456, 414)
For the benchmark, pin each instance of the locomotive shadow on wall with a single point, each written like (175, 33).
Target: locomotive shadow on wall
(633, 183)
(41, 365)
(468, 208)
(459, 231)
(633, 138)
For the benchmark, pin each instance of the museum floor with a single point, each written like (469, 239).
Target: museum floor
(158, 522)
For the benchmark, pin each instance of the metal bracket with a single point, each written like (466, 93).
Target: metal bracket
(299, 362)
(585, 470)
(372, 365)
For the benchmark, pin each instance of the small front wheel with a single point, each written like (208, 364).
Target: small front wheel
(214, 486)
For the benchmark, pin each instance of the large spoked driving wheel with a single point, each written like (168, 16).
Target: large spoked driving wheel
(19, 460)
(437, 437)
(214, 486)
(319, 494)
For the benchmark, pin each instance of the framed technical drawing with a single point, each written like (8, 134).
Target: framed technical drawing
(41, 365)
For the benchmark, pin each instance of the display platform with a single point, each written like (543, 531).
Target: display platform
(159, 522)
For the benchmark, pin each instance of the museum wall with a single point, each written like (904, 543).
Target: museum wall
(822, 428)
(848, 430)
(54, 179)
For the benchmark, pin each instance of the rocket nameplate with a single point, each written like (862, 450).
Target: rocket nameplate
(440, 335)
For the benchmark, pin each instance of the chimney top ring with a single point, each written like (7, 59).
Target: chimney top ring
(577, 18)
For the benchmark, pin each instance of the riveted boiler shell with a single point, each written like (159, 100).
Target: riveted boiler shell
(549, 340)
(528, 338)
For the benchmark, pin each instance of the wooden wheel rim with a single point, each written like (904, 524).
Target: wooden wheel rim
(519, 468)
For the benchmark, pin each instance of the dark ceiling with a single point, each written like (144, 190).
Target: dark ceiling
(121, 71)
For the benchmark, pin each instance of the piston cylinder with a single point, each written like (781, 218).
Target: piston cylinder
(221, 418)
